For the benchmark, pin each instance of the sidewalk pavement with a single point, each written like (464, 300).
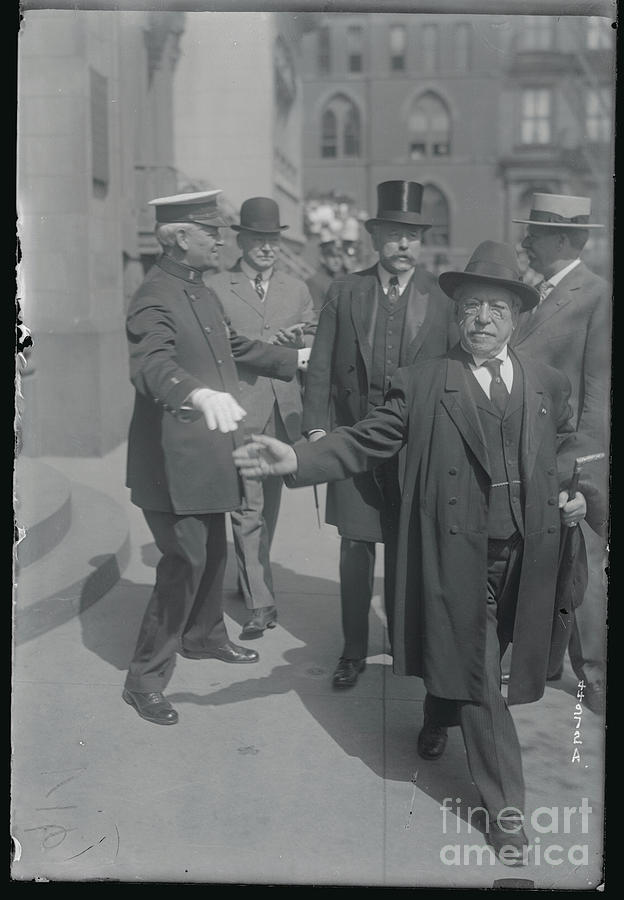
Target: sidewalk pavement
(270, 776)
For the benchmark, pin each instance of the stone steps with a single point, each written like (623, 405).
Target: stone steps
(42, 509)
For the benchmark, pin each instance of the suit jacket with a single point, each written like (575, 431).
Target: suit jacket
(179, 339)
(287, 302)
(571, 331)
(338, 377)
(318, 285)
(441, 564)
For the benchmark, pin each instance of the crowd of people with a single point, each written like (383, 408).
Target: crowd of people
(446, 415)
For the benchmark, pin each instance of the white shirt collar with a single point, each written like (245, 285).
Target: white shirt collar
(385, 276)
(503, 355)
(251, 273)
(561, 274)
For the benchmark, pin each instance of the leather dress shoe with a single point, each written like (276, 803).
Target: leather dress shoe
(432, 740)
(594, 697)
(347, 671)
(263, 617)
(508, 843)
(151, 706)
(227, 652)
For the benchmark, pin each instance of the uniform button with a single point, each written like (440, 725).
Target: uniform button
(207, 329)
(552, 529)
(219, 362)
(193, 296)
(453, 529)
(552, 501)
(552, 471)
(452, 471)
(453, 501)
(389, 346)
(266, 327)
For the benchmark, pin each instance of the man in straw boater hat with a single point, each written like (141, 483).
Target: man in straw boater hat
(489, 453)
(182, 433)
(261, 301)
(571, 331)
(373, 321)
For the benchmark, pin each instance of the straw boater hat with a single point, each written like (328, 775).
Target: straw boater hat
(399, 201)
(559, 211)
(260, 214)
(199, 207)
(493, 263)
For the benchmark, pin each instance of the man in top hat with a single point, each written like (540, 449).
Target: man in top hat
(392, 314)
(265, 303)
(571, 330)
(183, 430)
(489, 453)
(330, 267)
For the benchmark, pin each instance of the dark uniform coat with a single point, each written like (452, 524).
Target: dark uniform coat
(287, 302)
(338, 378)
(318, 285)
(441, 571)
(571, 331)
(179, 340)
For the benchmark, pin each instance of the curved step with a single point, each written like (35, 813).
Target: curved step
(42, 508)
(78, 571)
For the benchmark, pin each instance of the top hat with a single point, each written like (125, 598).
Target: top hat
(200, 207)
(559, 211)
(259, 214)
(493, 263)
(399, 201)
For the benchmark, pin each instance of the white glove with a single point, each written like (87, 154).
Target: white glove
(220, 409)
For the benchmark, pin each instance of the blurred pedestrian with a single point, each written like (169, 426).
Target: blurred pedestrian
(330, 267)
(182, 433)
(263, 302)
(392, 314)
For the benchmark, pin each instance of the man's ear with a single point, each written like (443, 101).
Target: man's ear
(181, 239)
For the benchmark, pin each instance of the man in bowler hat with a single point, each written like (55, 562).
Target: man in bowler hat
(183, 430)
(373, 321)
(570, 330)
(490, 450)
(263, 302)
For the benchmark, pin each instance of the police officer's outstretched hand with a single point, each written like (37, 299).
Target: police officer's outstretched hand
(264, 456)
(220, 409)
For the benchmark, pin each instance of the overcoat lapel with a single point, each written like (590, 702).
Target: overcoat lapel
(242, 288)
(364, 316)
(459, 403)
(537, 409)
(414, 336)
(558, 299)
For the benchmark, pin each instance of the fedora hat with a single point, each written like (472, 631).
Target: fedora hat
(259, 214)
(199, 207)
(399, 201)
(559, 211)
(493, 263)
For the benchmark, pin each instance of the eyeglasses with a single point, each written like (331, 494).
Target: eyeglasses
(472, 308)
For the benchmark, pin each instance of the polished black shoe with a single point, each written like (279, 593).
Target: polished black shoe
(263, 617)
(594, 697)
(509, 843)
(432, 740)
(227, 652)
(347, 671)
(151, 706)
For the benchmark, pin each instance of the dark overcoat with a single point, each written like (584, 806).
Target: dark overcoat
(179, 339)
(338, 378)
(287, 302)
(441, 571)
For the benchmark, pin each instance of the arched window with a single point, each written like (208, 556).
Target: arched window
(340, 128)
(429, 127)
(435, 209)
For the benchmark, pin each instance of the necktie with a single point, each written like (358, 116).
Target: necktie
(499, 395)
(393, 289)
(544, 287)
(259, 286)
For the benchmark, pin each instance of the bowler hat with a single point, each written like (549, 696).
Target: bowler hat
(200, 207)
(559, 211)
(493, 263)
(259, 214)
(399, 201)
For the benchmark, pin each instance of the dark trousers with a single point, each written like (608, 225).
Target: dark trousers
(357, 567)
(253, 528)
(186, 606)
(489, 733)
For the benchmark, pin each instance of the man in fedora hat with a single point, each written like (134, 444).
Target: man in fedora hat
(330, 266)
(489, 453)
(571, 331)
(265, 303)
(392, 314)
(182, 433)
